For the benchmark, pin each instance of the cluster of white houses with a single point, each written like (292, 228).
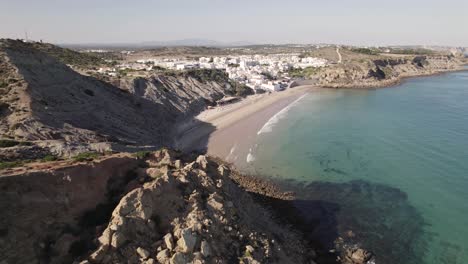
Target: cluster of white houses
(260, 72)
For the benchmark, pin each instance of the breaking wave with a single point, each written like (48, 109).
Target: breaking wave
(268, 126)
(250, 157)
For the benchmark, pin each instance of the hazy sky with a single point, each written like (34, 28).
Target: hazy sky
(366, 22)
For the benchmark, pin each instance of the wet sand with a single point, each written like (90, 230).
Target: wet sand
(229, 132)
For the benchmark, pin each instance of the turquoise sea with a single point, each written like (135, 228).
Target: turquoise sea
(390, 165)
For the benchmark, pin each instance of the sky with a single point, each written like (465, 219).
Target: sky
(350, 22)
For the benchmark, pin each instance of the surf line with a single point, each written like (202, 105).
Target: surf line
(268, 126)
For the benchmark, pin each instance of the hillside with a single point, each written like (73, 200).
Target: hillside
(46, 102)
(367, 68)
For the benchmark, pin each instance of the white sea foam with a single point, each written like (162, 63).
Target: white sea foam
(230, 155)
(268, 126)
(250, 157)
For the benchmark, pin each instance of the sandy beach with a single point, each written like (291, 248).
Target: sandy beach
(229, 132)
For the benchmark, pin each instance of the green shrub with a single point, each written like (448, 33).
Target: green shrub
(365, 51)
(5, 143)
(10, 164)
(49, 158)
(303, 73)
(86, 156)
(3, 84)
(142, 154)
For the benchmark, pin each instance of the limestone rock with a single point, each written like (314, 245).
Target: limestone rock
(187, 240)
(118, 239)
(179, 258)
(143, 253)
(358, 256)
(163, 256)
(150, 261)
(106, 237)
(169, 241)
(202, 161)
(178, 164)
(205, 248)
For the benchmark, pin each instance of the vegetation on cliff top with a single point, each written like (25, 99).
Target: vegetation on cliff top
(66, 56)
(303, 73)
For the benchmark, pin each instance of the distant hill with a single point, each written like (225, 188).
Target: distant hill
(172, 43)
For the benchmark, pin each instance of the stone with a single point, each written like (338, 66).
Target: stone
(205, 248)
(202, 161)
(113, 227)
(163, 256)
(169, 241)
(215, 204)
(249, 248)
(178, 164)
(98, 255)
(187, 240)
(106, 237)
(150, 261)
(155, 173)
(223, 171)
(179, 258)
(359, 256)
(118, 239)
(143, 253)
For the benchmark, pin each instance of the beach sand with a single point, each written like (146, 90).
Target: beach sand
(229, 132)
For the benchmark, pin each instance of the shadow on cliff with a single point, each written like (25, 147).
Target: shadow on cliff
(78, 108)
(337, 216)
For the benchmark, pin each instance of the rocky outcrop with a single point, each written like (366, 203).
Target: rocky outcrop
(169, 208)
(194, 213)
(383, 72)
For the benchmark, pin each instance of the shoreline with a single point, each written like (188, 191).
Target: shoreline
(229, 132)
(212, 130)
(393, 82)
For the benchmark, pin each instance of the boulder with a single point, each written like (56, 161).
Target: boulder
(178, 164)
(179, 258)
(202, 161)
(187, 241)
(143, 253)
(118, 239)
(106, 237)
(223, 171)
(169, 241)
(205, 248)
(150, 261)
(358, 256)
(161, 157)
(163, 256)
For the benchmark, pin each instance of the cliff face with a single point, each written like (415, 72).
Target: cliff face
(174, 209)
(42, 99)
(47, 212)
(383, 71)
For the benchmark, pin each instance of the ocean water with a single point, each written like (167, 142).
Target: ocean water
(386, 169)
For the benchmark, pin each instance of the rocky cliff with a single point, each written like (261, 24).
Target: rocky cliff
(162, 207)
(46, 101)
(384, 71)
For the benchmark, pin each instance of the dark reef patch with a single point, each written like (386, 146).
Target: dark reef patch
(373, 216)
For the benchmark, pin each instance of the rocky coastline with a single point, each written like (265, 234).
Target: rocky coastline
(383, 73)
(156, 207)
